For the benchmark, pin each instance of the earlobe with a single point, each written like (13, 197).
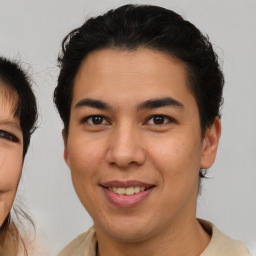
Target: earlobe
(66, 157)
(210, 144)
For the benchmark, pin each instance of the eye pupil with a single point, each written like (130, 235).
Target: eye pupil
(97, 120)
(158, 119)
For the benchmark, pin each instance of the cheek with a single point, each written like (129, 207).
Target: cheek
(2, 156)
(177, 158)
(177, 163)
(10, 169)
(85, 157)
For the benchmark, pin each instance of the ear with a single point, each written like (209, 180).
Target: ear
(210, 144)
(64, 136)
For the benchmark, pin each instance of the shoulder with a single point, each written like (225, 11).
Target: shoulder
(222, 245)
(84, 244)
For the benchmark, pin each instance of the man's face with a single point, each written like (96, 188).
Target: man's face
(134, 145)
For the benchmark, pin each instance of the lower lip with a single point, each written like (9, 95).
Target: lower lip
(124, 200)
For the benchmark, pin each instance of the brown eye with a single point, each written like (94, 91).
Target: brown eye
(8, 136)
(96, 120)
(159, 120)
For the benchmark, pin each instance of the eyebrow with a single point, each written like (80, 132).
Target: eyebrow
(158, 103)
(149, 104)
(92, 103)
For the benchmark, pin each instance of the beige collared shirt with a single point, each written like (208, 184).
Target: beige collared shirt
(220, 244)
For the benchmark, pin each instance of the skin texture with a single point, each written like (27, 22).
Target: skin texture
(10, 154)
(128, 144)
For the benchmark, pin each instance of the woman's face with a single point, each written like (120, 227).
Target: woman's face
(11, 149)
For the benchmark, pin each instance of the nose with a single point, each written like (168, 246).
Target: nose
(125, 148)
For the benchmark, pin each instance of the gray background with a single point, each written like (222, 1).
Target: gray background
(32, 32)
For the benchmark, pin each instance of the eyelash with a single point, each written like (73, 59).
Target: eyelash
(167, 120)
(8, 136)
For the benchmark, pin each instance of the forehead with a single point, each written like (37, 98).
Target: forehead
(140, 61)
(8, 101)
(142, 70)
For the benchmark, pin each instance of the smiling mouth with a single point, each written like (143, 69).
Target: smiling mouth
(127, 188)
(126, 191)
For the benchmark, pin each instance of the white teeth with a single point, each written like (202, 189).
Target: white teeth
(136, 189)
(121, 191)
(127, 191)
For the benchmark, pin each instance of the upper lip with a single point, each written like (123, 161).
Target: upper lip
(126, 184)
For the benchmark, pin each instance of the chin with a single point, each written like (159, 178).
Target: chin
(128, 230)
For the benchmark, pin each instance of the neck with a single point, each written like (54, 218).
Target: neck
(186, 238)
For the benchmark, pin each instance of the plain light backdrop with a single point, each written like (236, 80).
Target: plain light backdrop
(32, 31)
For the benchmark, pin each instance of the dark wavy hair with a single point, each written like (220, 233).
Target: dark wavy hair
(17, 84)
(132, 26)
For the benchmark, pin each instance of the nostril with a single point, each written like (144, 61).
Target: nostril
(132, 163)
